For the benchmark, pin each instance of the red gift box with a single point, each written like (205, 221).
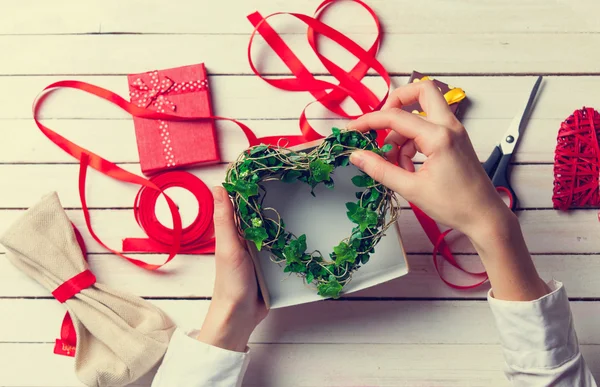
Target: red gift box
(164, 145)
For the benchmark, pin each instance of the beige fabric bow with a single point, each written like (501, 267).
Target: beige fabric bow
(120, 337)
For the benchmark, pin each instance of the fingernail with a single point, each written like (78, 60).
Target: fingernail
(349, 125)
(217, 194)
(357, 158)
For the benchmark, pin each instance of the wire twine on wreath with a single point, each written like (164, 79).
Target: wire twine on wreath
(375, 210)
(577, 161)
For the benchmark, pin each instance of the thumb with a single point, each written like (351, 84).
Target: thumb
(226, 234)
(383, 171)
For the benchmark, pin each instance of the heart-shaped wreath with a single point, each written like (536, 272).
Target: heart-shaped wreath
(373, 212)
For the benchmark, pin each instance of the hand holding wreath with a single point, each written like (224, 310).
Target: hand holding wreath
(373, 212)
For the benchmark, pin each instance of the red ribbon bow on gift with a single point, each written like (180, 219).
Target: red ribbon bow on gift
(154, 94)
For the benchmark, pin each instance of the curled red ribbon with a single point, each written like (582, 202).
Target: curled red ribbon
(327, 94)
(197, 238)
(441, 246)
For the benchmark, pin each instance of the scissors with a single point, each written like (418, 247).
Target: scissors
(496, 166)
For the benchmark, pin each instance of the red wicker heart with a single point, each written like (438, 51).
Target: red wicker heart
(577, 161)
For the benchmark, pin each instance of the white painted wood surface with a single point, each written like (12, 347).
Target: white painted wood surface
(414, 331)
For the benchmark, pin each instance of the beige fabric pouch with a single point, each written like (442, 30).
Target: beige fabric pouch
(120, 337)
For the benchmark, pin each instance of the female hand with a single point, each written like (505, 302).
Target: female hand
(451, 186)
(236, 307)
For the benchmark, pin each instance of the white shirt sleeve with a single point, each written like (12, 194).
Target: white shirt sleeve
(539, 341)
(192, 363)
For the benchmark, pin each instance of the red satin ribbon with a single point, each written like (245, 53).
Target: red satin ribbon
(437, 238)
(481, 277)
(70, 288)
(68, 336)
(197, 238)
(90, 159)
(327, 94)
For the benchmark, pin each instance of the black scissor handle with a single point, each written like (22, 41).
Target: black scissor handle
(492, 162)
(501, 182)
(496, 167)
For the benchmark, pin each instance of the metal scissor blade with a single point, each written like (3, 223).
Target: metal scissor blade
(511, 137)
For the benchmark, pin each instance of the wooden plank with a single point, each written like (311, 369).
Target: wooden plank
(532, 183)
(436, 322)
(193, 276)
(489, 98)
(283, 365)
(578, 230)
(23, 143)
(338, 322)
(206, 17)
(514, 53)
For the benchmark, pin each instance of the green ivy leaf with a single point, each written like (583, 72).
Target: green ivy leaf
(244, 188)
(294, 251)
(243, 208)
(280, 244)
(300, 157)
(337, 149)
(386, 148)
(344, 253)
(353, 142)
(375, 194)
(362, 181)
(351, 206)
(310, 277)
(278, 254)
(271, 228)
(258, 149)
(336, 132)
(329, 183)
(320, 170)
(229, 187)
(291, 176)
(364, 217)
(272, 162)
(295, 267)
(256, 235)
(332, 288)
(323, 272)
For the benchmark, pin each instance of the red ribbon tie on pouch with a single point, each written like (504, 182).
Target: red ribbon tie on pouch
(68, 337)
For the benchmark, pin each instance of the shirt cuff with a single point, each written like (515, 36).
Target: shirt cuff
(538, 333)
(190, 363)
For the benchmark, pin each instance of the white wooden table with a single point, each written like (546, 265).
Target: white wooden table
(411, 332)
